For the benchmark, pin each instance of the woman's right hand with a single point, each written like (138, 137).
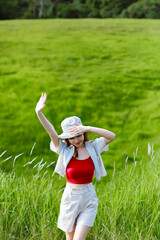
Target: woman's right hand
(41, 103)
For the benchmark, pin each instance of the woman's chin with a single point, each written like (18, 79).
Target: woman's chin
(80, 145)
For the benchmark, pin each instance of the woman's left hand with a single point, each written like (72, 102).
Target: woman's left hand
(79, 129)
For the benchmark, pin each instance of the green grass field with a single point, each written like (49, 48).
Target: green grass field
(106, 71)
(129, 205)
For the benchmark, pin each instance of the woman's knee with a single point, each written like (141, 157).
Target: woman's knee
(81, 232)
(69, 235)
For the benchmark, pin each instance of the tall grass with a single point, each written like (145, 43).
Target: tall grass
(29, 209)
(129, 205)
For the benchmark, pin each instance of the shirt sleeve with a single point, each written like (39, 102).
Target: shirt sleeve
(101, 144)
(62, 144)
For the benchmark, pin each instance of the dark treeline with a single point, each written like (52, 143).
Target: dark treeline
(13, 9)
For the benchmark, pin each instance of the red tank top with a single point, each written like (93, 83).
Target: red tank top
(80, 171)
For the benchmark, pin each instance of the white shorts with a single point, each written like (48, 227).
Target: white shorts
(78, 206)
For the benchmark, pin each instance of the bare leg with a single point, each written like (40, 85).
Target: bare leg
(69, 235)
(81, 232)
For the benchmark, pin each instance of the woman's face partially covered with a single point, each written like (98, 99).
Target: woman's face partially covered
(77, 141)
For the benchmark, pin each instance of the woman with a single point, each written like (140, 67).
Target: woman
(79, 159)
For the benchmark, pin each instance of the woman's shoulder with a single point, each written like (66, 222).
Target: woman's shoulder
(99, 144)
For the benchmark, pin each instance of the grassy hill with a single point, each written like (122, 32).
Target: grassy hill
(105, 71)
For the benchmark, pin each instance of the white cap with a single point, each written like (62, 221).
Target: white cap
(66, 124)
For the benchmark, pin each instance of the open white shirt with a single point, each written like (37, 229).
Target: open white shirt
(94, 148)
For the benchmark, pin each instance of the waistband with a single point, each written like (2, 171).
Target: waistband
(86, 188)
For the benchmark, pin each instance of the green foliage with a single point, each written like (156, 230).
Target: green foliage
(79, 9)
(93, 6)
(66, 10)
(112, 8)
(10, 9)
(38, 9)
(143, 9)
(82, 8)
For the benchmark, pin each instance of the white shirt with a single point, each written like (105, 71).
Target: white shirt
(94, 148)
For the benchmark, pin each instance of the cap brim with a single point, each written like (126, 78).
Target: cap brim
(66, 136)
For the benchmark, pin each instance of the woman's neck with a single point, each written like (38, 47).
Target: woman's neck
(82, 153)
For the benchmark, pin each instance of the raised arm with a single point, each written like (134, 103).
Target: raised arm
(108, 136)
(45, 123)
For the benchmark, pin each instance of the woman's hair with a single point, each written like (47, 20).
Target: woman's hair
(85, 139)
